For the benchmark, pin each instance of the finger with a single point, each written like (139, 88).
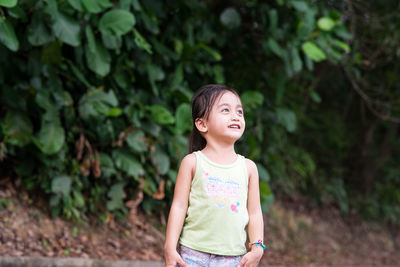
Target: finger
(243, 262)
(181, 262)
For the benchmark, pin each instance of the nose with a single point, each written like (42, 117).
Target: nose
(235, 116)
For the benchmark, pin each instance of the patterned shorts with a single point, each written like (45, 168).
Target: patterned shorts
(194, 258)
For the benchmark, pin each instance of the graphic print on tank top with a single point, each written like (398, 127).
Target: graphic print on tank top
(223, 192)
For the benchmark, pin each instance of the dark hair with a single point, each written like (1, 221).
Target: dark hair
(202, 102)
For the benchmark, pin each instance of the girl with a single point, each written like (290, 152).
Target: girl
(217, 191)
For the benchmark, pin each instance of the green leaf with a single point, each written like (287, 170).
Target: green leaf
(178, 77)
(61, 185)
(307, 26)
(267, 198)
(251, 99)
(125, 161)
(116, 195)
(217, 56)
(219, 74)
(342, 32)
(275, 48)
(264, 189)
(77, 4)
(17, 12)
(155, 73)
(309, 63)
(104, 4)
(117, 22)
(51, 138)
(299, 5)
(42, 98)
(38, 34)
(160, 160)
(114, 112)
(99, 61)
(97, 103)
(90, 39)
(7, 35)
(17, 128)
(122, 77)
(286, 118)
(313, 51)
(8, 3)
(112, 41)
(315, 96)
(105, 160)
(136, 5)
(342, 45)
(230, 18)
(78, 74)
(92, 6)
(161, 115)
(161, 49)
(178, 45)
(325, 42)
(137, 141)
(326, 23)
(141, 42)
(106, 165)
(296, 60)
(150, 22)
(66, 29)
(62, 98)
(80, 201)
(183, 118)
(263, 173)
(288, 64)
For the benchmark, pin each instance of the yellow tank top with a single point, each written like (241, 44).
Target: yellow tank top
(217, 213)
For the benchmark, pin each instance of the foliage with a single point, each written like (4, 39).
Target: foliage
(95, 97)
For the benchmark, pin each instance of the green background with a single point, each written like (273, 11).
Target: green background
(95, 98)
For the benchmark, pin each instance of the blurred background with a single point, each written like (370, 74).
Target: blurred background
(95, 117)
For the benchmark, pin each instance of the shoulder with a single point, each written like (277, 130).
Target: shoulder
(189, 163)
(189, 159)
(251, 168)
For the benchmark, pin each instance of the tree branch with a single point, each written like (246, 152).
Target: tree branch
(369, 102)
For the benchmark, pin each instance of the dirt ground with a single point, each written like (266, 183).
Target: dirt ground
(294, 235)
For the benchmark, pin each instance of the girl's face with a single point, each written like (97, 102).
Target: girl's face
(226, 118)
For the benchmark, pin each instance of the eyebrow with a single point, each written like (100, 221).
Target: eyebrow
(226, 104)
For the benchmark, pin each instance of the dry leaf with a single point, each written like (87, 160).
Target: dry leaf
(121, 139)
(160, 194)
(79, 145)
(89, 148)
(84, 167)
(96, 165)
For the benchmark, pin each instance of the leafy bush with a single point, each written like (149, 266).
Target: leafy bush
(95, 95)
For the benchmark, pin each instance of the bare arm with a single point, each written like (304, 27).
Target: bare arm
(178, 210)
(256, 223)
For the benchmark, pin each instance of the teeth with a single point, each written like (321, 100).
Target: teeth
(234, 126)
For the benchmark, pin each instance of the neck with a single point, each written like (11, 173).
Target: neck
(220, 153)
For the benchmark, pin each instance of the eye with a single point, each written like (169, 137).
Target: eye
(240, 112)
(225, 110)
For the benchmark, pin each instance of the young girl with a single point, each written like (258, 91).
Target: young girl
(217, 191)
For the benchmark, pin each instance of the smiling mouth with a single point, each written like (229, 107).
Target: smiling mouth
(234, 126)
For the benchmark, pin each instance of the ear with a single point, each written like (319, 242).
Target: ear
(201, 125)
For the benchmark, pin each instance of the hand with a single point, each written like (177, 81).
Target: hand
(172, 258)
(252, 258)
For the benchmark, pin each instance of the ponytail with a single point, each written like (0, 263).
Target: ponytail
(196, 140)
